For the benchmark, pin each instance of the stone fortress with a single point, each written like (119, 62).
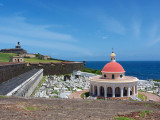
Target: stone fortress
(17, 65)
(17, 49)
(22, 54)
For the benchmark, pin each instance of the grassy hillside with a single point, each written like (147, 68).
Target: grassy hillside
(4, 57)
(38, 60)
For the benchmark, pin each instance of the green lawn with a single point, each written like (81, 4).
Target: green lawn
(142, 97)
(4, 57)
(38, 60)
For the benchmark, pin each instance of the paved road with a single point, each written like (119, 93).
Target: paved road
(151, 96)
(77, 95)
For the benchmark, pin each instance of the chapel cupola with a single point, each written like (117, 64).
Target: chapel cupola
(113, 56)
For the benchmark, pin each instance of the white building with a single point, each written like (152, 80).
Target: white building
(113, 84)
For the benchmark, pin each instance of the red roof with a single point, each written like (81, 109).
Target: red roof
(113, 67)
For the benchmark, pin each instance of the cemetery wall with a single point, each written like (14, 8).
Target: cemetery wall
(10, 70)
(57, 68)
(26, 89)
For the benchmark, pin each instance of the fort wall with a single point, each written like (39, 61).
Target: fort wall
(57, 68)
(10, 70)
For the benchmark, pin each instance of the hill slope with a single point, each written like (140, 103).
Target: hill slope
(4, 57)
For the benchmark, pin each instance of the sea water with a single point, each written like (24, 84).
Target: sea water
(143, 70)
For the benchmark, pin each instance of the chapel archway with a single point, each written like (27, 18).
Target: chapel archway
(117, 92)
(109, 92)
(125, 90)
(102, 91)
(95, 90)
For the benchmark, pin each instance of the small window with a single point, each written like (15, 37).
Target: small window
(121, 76)
(112, 76)
(105, 76)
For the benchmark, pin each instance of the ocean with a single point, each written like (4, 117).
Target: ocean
(143, 70)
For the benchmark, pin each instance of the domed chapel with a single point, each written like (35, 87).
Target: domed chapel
(113, 84)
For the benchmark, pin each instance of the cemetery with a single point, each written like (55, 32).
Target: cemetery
(149, 86)
(61, 86)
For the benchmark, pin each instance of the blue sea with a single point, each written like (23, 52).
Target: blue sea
(143, 70)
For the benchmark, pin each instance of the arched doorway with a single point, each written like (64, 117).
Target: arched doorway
(95, 90)
(109, 92)
(102, 91)
(125, 89)
(117, 92)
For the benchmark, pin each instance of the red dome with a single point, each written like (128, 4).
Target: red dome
(113, 67)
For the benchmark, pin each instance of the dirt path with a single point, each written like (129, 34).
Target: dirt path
(151, 96)
(77, 95)
(69, 109)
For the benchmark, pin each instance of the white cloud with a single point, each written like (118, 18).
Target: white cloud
(136, 28)
(18, 26)
(154, 37)
(112, 25)
(104, 37)
(15, 29)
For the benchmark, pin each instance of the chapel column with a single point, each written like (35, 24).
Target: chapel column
(98, 91)
(134, 90)
(93, 90)
(105, 92)
(128, 91)
(113, 89)
(121, 91)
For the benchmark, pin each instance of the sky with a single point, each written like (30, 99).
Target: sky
(83, 29)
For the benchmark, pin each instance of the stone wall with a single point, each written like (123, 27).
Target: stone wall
(57, 68)
(10, 70)
(27, 87)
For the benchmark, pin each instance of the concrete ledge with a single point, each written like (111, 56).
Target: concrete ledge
(20, 85)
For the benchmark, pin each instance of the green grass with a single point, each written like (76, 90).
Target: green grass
(157, 80)
(85, 94)
(94, 71)
(142, 97)
(56, 92)
(38, 60)
(122, 118)
(39, 85)
(147, 105)
(141, 90)
(42, 81)
(31, 108)
(4, 57)
(143, 113)
(2, 96)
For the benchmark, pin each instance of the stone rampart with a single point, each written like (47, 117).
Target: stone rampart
(10, 70)
(27, 87)
(57, 68)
